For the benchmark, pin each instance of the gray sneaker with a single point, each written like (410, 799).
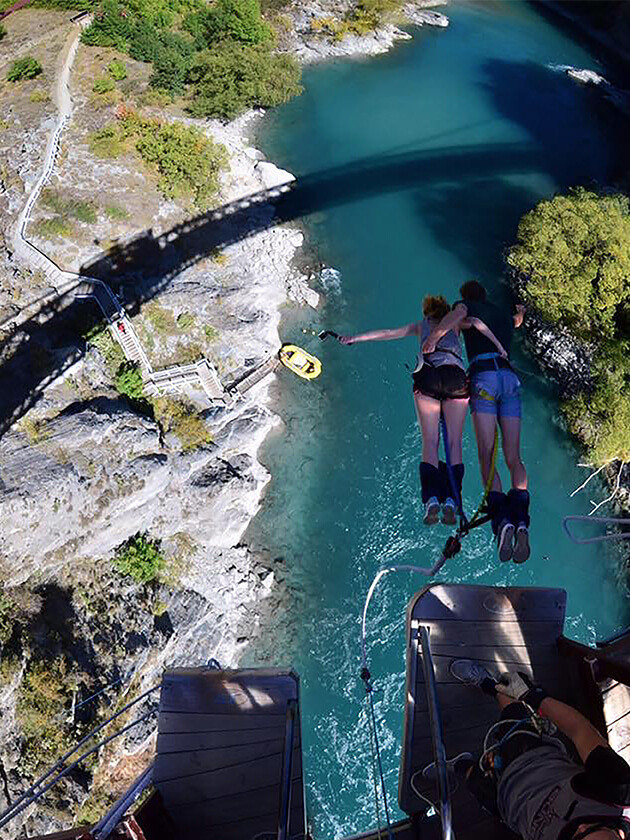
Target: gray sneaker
(505, 541)
(431, 511)
(470, 672)
(521, 545)
(449, 512)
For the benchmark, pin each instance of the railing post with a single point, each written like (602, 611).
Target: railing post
(284, 813)
(437, 738)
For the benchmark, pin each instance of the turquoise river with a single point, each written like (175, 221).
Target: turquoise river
(421, 162)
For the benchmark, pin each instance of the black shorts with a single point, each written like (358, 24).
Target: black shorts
(445, 382)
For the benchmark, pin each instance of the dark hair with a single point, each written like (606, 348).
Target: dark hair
(435, 307)
(473, 291)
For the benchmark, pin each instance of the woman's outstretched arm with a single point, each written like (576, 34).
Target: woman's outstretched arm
(380, 335)
(480, 326)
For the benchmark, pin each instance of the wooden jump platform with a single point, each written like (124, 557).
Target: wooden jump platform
(506, 629)
(221, 751)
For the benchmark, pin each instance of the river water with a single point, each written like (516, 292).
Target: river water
(423, 161)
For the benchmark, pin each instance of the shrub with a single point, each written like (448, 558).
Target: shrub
(183, 421)
(187, 162)
(170, 69)
(8, 614)
(185, 321)
(574, 252)
(140, 558)
(3, 32)
(111, 27)
(40, 710)
(103, 85)
(232, 78)
(128, 380)
(39, 95)
(237, 20)
(24, 68)
(117, 69)
(210, 332)
(111, 351)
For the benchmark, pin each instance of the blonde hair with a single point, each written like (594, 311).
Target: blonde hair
(435, 307)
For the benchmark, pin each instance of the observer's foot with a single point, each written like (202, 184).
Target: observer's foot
(521, 545)
(431, 511)
(505, 541)
(470, 672)
(449, 514)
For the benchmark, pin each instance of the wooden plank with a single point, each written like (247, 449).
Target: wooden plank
(212, 693)
(234, 809)
(249, 828)
(173, 743)
(454, 602)
(511, 633)
(548, 675)
(192, 762)
(473, 714)
(251, 776)
(172, 722)
(502, 655)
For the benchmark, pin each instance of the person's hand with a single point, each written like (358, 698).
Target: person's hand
(429, 345)
(503, 353)
(346, 339)
(519, 686)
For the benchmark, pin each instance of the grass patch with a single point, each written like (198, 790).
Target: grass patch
(108, 347)
(104, 85)
(117, 69)
(186, 320)
(210, 332)
(140, 557)
(8, 615)
(116, 214)
(35, 430)
(107, 143)
(162, 319)
(39, 95)
(66, 209)
(183, 421)
(56, 227)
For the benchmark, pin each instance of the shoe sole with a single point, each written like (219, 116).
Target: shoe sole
(506, 545)
(432, 515)
(521, 547)
(448, 516)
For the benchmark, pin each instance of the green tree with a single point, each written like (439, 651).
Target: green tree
(128, 380)
(238, 20)
(140, 557)
(24, 68)
(574, 253)
(231, 78)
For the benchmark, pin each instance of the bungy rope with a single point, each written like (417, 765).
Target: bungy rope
(609, 520)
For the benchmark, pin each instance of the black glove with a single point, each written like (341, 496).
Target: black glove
(518, 685)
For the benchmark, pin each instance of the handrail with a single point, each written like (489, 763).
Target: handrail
(287, 771)
(437, 737)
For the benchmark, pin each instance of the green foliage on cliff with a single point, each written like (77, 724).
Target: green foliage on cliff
(117, 70)
(182, 420)
(8, 613)
(24, 68)
(41, 712)
(574, 253)
(231, 78)
(128, 381)
(234, 20)
(361, 19)
(140, 557)
(3, 32)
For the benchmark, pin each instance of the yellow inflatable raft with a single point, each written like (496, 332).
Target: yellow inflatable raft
(299, 361)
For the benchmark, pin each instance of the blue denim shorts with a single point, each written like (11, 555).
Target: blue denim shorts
(495, 392)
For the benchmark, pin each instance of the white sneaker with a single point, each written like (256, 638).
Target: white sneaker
(431, 511)
(470, 672)
(505, 541)
(521, 546)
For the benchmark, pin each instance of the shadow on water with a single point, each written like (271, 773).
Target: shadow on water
(36, 353)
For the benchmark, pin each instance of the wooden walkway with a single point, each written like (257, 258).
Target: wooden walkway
(221, 737)
(504, 629)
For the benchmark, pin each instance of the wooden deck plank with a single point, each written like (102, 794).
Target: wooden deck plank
(508, 655)
(453, 602)
(246, 829)
(181, 764)
(231, 811)
(213, 693)
(250, 776)
(182, 742)
(491, 633)
(546, 674)
(174, 722)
